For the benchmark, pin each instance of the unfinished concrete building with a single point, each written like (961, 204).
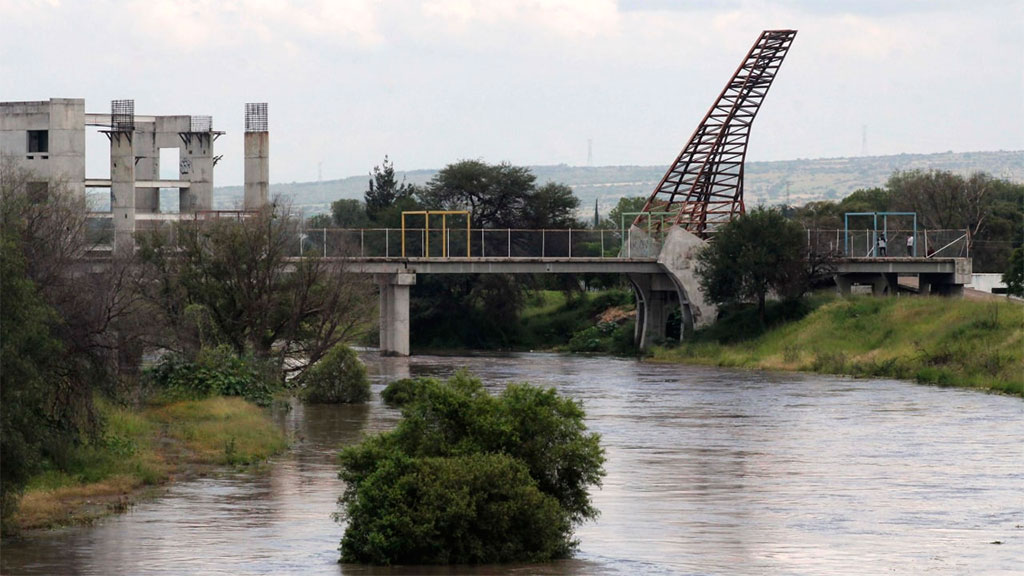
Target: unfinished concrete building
(48, 139)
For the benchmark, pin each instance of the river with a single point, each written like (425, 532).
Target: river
(710, 471)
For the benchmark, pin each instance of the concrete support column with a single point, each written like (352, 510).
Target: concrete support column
(652, 308)
(924, 284)
(843, 285)
(884, 284)
(122, 190)
(257, 169)
(199, 155)
(657, 317)
(147, 167)
(394, 313)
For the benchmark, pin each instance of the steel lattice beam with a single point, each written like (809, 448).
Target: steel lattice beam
(704, 186)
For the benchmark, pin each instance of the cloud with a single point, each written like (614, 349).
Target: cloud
(193, 25)
(565, 18)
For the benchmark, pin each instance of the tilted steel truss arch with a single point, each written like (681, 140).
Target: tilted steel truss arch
(704, 186)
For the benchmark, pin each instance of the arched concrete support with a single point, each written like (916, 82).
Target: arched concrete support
(655, 295)
(678, 256)
(394, 313)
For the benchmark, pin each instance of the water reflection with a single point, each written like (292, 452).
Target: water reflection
(709, 472)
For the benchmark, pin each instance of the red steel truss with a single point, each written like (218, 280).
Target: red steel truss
(704, 186)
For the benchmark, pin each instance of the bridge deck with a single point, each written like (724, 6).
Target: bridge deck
(900, 265)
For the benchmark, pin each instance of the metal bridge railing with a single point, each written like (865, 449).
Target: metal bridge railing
(482, 243)
(863, 243)
(561, 244)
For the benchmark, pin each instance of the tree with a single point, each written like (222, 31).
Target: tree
(384, 190)
(497, 195)
(63, 331)
(31, 358)
(318, 221)
(338, 378)
(991, 209)
(758, 252)
(349, 213)
(237, 283)
(626, 204)
(552, 206)
(467, 477)
(1014, 275)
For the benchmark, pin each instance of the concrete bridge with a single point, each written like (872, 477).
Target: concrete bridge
(661, 274)
(653, 285)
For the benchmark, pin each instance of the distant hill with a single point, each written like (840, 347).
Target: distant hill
(793, 182)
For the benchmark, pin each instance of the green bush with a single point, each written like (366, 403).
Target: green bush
(401, 392)
(338, 378)
(470, 477)
(216, 371)
(479, 508)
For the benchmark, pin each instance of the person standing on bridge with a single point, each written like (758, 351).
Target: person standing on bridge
(881, 246)
(910, 244)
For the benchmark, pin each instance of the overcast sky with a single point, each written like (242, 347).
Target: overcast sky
(530, 82)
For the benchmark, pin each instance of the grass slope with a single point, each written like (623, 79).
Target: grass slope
(931, 340)
(147, 448)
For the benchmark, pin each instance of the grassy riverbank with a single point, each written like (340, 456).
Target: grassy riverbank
(943, 341)
(141, 450)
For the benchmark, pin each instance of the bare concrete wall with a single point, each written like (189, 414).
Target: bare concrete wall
(64, 121)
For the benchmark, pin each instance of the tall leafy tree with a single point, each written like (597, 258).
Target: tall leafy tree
(757, 253)
(349, 213)
(552, 206)
(497, 195)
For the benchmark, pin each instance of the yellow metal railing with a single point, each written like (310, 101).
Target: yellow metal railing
(444, 214)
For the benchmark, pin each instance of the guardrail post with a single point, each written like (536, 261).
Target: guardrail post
(325, 242)
(570, 242)
(602, 242)
(509, 242)
(543, 242)
(387, 248)
(483, 245)
(362, 243)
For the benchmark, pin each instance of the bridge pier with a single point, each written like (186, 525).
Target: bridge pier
(654, 296)
(394, 312)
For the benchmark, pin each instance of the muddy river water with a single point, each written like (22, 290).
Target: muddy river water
(710, 471)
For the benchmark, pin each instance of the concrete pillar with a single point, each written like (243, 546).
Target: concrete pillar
(257, 169)
(652, 308)
(122, 190)
(924, 284)
(843, 285)
(394, 313)
(878, 285)
(657, 317)
(198, 153)
(147, 167)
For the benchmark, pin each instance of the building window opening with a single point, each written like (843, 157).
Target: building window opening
(38, 141)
